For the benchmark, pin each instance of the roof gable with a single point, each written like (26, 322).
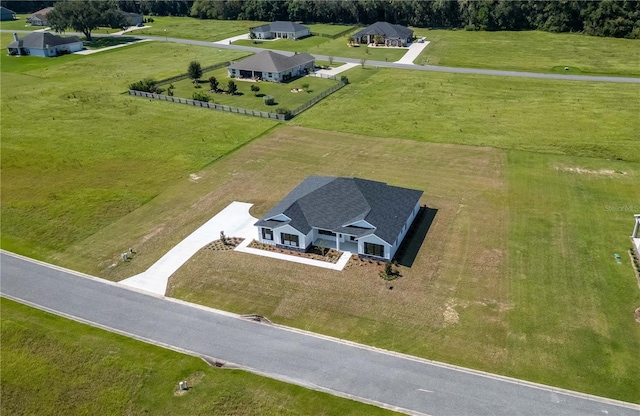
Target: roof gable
(345, 205)
(387, 30)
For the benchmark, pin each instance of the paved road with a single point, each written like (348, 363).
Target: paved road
(390, 380)
(430, 68)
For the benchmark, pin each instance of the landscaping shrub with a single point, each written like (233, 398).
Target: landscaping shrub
(201, 96)
(283, 110)
(255, 89)
(269, 100)
(344, 79)
(232, 88)
(194, 70)
(147, 85)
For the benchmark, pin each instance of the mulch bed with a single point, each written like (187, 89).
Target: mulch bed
(229, 244)
(330, 256)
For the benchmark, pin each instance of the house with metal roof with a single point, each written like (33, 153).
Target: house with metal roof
(281, 30)
(7, 14)
(384, 33)
(272, 66)
(39, 18)
(364, 217)
(43, 44)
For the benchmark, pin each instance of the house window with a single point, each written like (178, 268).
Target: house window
(352, 238)
(326, 232)
(374, 249)
(289, 239)
(267, 234)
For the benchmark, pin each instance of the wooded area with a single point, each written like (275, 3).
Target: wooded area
(598, 18)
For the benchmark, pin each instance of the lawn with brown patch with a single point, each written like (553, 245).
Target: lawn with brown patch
(461, 263)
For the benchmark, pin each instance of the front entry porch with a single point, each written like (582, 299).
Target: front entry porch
(346, 246)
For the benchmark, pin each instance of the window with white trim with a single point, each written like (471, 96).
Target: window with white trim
(267, 234)
(289, 239)
(374, 249)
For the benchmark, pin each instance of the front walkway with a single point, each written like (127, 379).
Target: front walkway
(234, 220)
(342, 261)
(414, 50)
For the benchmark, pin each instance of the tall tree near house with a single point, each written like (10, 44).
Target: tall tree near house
(194, 70)
(85, 16)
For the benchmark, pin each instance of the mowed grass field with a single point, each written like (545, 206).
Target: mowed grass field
(574, 118)
(318, 45)
(281, 92)
(196, 29)
(531, 51)
(18, 24)
(54, 366)
(516, 275)
(92, 154)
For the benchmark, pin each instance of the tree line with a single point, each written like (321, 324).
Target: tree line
(614, 18)
(598, 18)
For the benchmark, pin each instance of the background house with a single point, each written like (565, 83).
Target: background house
(6, 14)
(386, 33)
(281, 30)
(43, 44)
(133, 19)
(39, 18)
(350, 214)
(272, 66)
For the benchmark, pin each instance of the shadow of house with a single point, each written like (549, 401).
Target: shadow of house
(408, 250)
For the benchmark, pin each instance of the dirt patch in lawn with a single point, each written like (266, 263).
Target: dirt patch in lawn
(591, 171)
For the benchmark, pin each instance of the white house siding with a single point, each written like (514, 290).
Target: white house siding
(405, 229)
(303, 240)
(375, 240)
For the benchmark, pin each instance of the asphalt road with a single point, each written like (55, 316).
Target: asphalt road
(381, 64)
(390, 380)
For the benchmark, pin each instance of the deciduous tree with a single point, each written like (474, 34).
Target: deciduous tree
(85, 16)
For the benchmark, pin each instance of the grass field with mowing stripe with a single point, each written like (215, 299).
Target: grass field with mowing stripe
(54, 366)
(531, 51)
(516, 275)
(197, 29)
(318, 45)
(574, 118)
(95, 154)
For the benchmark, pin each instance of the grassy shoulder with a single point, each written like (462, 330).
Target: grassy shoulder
(54, 366)
(574, 118)
(112, 153)
(531, 51)
(318, 45)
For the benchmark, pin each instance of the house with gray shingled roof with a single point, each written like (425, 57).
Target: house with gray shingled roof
(39, 18)
(281, 30)
(272, 66)
(364, 217)
(7, 14)
(44, 44)
(388, 34)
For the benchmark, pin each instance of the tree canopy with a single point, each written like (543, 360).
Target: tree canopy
(85, 16)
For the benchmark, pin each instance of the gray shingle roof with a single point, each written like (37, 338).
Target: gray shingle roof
(334, 203)
(387, 30)
(280, 26)
(40, 40)
(269, 61)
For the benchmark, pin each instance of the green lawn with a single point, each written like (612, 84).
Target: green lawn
(19, 24)
(532, 52)
(197, 29)
(327, 29)
(246, 99)
(54, 366)
(574, 118)
(318, 45)
(112, 153)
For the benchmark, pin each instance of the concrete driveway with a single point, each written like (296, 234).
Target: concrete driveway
(234, 220)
